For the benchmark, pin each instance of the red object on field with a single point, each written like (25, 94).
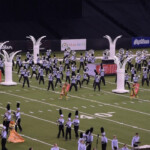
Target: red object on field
(108, 68)
(0, 76)
(136, 88)
(68, 87)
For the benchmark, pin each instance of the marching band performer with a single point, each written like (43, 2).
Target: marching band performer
(126, 80)
(34, 68)
(73, 83)
(89, 139)
(61, 70)
(145, 77)
(67, 63)
(81, 62)
(104, 140)
(60, 124)
(78, 77)
(102, 74)
(7, 117)
(41, 75)
(55, 147)
(68, 127)
(22, 72)
(4, 136)
(114, 143)
(135, 140)
(85, 78)
(97, 82)
(26, 75)
(68, 75)
(125, 147)
(18, 118)
(50, 82)
(58, 78)
(76, 122)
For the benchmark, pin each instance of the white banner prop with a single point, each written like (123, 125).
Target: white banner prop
(74, 44)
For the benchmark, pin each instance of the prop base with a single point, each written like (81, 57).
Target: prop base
(8, 83)
(120, 91)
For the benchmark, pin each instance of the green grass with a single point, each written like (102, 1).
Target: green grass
(129, 117)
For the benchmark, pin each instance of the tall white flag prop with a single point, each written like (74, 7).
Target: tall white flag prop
(36, 46)
(112, 45)
(8, 67)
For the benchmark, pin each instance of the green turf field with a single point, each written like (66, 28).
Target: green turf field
(117, 113)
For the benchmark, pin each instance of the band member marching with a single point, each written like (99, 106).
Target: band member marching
(89, 139)
(18, 118)
(34, 68)
(145, 77)
(68, 127)
(58, 78)
(7, 117)
(41, 75)
(50, 82)
(78, 77)
(60, 124)
(97, 82)
(127, 80)
(26, 78)
(68, 75)
(102, 74)
(76, 122)
(4, 136)
(73, 83)
(104, 140)
(135, 140)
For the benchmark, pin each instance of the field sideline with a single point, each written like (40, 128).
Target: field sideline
(117, 113)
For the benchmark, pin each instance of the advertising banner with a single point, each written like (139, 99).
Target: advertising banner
(140, 42)
(109, 69)
(74, 44)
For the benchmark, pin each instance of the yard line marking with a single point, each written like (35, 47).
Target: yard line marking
(25, 89)
(116, 103)
(49, 110)
(105, 92)
(56, 124)
(118, 94)
(98, 102)
(31, 112)
(40, 111)
(117, 122)
(132, 102)
(92, 106)
(75, 107)
(100, 105)
(33, 139)
(18, 90)
(83, 106)
(43, 99)
(128, 109)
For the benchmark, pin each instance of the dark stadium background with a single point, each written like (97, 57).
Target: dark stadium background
(74, 19)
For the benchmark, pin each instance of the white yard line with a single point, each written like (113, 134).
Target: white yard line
(33, 139)
(56, 124)
(98, 101)
(117, 122)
